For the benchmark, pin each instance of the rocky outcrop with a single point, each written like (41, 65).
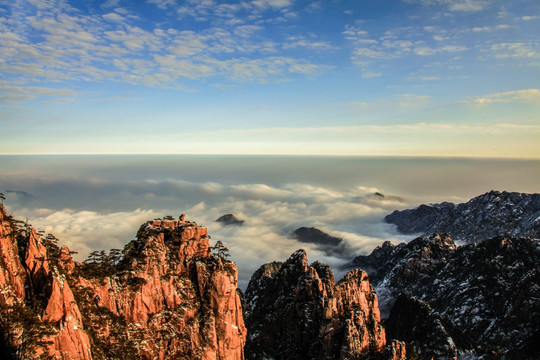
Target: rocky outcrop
(173, 291)
(329, 244)
(164, 296)
(230, 219)
(12, 272)
(39, 315)
(488, 291)
(296, 311)
(492, 214)
(414, 322)
(70, 342)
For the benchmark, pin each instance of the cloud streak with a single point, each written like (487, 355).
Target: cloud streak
(527, 95)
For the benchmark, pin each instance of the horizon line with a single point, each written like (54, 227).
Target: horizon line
(282, 154)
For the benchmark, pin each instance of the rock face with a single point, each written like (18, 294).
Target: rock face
(329, 244)
(488, 291)
(230, 219)
(296, 311)
(164, 296)
(414, 322)
(492, 214)
(39, 315)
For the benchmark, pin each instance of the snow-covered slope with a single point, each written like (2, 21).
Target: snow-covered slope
(489, 292)
(492, 214)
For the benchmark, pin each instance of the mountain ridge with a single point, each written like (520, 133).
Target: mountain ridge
(488, 215)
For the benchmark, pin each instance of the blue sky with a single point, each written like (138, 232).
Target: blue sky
(388, 77)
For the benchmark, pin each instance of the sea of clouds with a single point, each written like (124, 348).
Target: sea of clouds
(99, 204)
(270, 213)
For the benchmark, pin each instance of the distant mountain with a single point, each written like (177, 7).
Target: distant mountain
(329, 244)
(492, 214)
(230, 219)
(486, 295)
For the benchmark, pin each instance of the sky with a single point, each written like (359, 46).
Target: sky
(359, 77)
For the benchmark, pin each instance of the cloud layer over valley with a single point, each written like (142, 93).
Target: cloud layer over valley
(103, 200)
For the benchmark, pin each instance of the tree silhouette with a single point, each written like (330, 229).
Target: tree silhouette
(93, 258)
(115, 255)
(221, 250)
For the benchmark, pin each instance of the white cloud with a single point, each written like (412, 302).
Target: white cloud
(529, 17)
(85, 231)
(455, 5)
(246, 31)
(467, 5)
(360, 53)
(492, 28)
(162, 4)
(10, 93)
(308, 43)
(69, 45)
(113, 17)
(110, 4)
(484, 28)
(275, 4)
(527, 95)
(515, 50)
(428, 51)
(370, 74)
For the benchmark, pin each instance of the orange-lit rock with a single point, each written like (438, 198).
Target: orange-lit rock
(177, 294)
(66, 260)
(71, 342)
(168, 298)
(12, 273)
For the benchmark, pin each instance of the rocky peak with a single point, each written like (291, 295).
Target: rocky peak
(329, 244)
(66, 260)
(420, 255)
(230, 219)
(294, 310)
(164, 296)
(486, 291)
(176, 293)
(297, 261)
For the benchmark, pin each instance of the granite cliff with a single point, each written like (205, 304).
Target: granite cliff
(164, 296)
(167, 296)
(297, 311)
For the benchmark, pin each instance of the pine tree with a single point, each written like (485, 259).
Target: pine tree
(221, 250)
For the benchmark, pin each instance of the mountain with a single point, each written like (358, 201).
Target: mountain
(230, 219)
(297, 311)
(491, 214)
(164, 296)
(329, 244)
(485, 296)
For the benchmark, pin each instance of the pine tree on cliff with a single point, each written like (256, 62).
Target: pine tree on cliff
(221, 250)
